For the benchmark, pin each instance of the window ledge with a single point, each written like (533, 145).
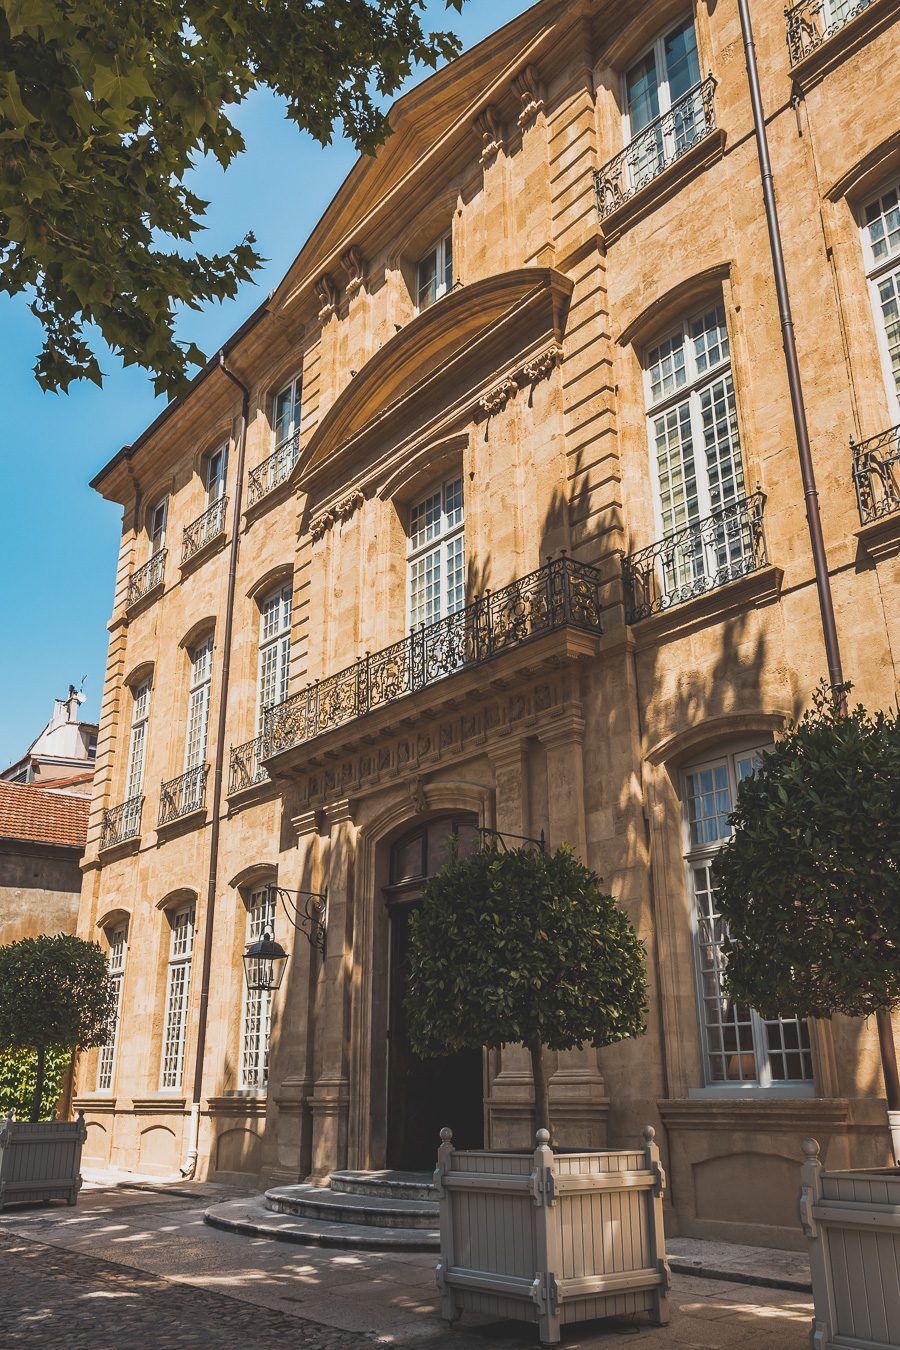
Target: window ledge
(165, 1101)
(829, 54)
(278, 494)
(734, 1092)
(238, 1102)
(762, 587)
(123, 848)
(191, 820)
(757, 1111)
(880, 539)
(99, 1103)
(212, 546)
(664, 185)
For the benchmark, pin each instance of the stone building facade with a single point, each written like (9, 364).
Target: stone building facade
(519, 544)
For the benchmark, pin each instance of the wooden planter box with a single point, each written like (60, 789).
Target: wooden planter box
(552, 1238)
(40, 1161)
(852, 1221)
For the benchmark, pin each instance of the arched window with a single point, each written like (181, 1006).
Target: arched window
(118, 946)
(740, 1048)
(198, 704)
(137, 748)
(286, 415)
(274, 651)
(215, 471)
(178, 988)
(434, 274)
(661, 80)
(256, 1020)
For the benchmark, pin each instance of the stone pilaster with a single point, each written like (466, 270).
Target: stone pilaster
(563, 743)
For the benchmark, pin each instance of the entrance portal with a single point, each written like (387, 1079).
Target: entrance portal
(425, 1094)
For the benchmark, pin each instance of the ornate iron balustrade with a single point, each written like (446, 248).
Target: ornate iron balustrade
(562, 593)
(698, 558)
(182, 795)
(689, 120)
(245, 769)
(204, 529)
(813, 22)
(121, 822)
(141, 582)
(266, 477)
(876, 474)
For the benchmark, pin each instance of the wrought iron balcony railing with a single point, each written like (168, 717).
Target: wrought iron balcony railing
(876, 474)
(689, 120)
(813, 22)
(266, 477)
(562, 593)
(121, 822)
(141, 582)
(204, 529)
(182, 795)
(696, 559)
(245, 768)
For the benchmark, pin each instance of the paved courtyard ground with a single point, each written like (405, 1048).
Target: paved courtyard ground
(136, 1267)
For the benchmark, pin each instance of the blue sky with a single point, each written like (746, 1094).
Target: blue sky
(58, 539)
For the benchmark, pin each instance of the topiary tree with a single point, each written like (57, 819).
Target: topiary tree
(522, 946)
(809, 883)
(54, 992)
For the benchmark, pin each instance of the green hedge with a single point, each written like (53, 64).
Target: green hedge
(17, 1078)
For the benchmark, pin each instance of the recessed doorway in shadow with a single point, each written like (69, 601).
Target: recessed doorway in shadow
(425, 1094)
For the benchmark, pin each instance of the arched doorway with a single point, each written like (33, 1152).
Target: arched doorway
(425, 1094)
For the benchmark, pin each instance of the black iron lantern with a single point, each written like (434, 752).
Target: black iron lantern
(264, 964)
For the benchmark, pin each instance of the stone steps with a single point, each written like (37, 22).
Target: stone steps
(371, 1209)
(253, 1218)
(399, 1185)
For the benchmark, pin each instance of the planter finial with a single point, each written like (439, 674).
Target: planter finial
(543, 1137)
(810, 1147)
(649, 1134)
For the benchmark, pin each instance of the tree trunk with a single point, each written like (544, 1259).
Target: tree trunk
(38, 1085)
(885, 1025)
(541, 1094)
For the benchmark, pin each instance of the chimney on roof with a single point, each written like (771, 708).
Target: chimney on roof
(73, 703)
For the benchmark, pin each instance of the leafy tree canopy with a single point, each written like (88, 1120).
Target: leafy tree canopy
(809, 884)
(54, 991)
(104, 107)
(522, 946)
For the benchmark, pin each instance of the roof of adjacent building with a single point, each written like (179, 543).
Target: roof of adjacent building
(42, 817)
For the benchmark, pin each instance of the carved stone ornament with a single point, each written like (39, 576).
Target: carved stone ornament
(354, 264)
(320, 524)
(326, 291)
(496, 399)
(417, 794)
(342, 511)
(540, 366)
(528, 86)
(490, 129)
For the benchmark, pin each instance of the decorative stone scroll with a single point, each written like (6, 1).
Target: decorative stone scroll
(490, 129)
(496, 399)
(327, 294)
(354, 264)
(540, 366)
(342, 511)
(527, 84)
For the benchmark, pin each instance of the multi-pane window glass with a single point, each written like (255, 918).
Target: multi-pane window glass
(654, 85)
(437, 560)
(137, 749)
(286, 413)
(156, 526)
(882, 232)
(215, 469)
(739, 1046)
(274, 651)
(178, 987)
(198, 705)
(434, 276)
(257, 1017)
(116, 965)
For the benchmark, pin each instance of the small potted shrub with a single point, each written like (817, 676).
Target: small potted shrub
(56, 998)
(809, 885)
(526, 946)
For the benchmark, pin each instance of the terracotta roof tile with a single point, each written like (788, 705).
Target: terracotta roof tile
(28, 812)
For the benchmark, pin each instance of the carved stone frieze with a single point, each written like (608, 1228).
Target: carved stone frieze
(342, 511)
(354, 264)
(496, 399)
(319, 524)
(530, 90)
(490, 129)
(540, 366)
(327, 294)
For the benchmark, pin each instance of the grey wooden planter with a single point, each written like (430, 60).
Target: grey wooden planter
(552, 1238)
(40, 1161)
(852, 1221)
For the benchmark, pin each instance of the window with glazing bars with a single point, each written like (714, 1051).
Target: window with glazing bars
(257, 1016)
(434, 275)
(665, 74)
(156, 526)
(116, 965)
(437, 560)
(286, 413)
(274, 652)
(178, 987)
(137, 749)
(215, 470)
(881, 219)
(739, 1046)
(198, 705)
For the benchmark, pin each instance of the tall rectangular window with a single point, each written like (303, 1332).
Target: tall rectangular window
(286, 413)
(739, 1046)
(257, 1014)
(178, 987)
(156, 526)
(198, 705)
(215, 469)
(274, 652)
(437, 559)
(137, 749)
(435, 273)
(882, 247)
(655, 85)
(116, 964)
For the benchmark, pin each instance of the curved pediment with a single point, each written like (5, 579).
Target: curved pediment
(432, 347)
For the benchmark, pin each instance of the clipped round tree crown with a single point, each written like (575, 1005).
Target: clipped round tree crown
(54, 991)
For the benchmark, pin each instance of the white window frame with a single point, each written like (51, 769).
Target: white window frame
(442, 543)
(157, 523)
(294, 388)
(665, 100)
(117, 939)
(182, 924)
(195, 739)
(137, 747)
(215, 474)
(878, 271)
(442, 253)
(700, 854)
(256, 1017)
(273, 668)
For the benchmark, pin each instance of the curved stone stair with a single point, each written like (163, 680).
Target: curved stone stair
(375, 1211)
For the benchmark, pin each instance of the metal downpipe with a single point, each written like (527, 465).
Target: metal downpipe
(188, 1167)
